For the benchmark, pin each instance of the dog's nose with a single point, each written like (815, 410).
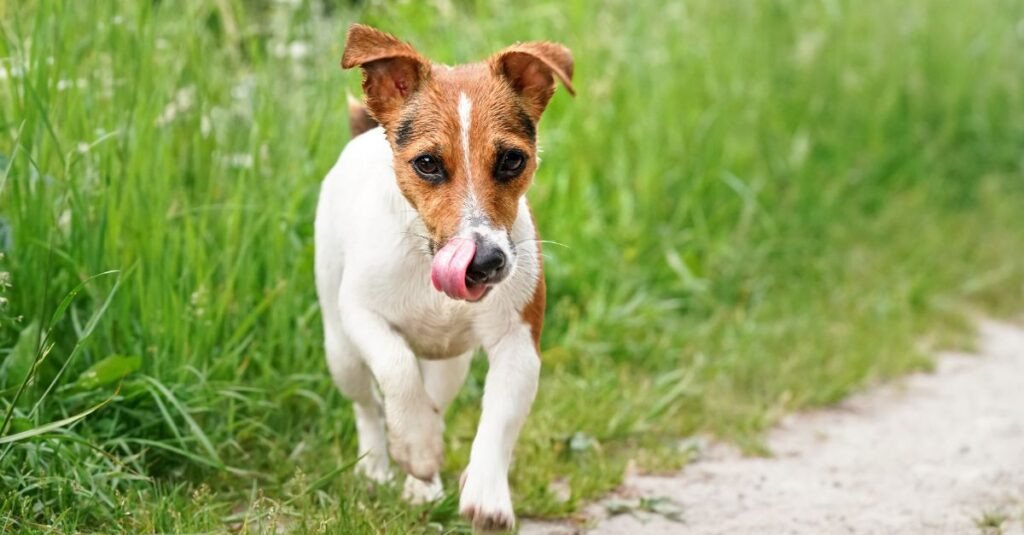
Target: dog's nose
(486, 264)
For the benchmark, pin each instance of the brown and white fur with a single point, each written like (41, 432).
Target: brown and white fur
(397, 346)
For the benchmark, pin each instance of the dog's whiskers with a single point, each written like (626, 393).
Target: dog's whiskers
(545, 242)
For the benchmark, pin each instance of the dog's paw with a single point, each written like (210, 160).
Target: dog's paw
(374, 467)
(417, 444)
(486, 502)
(418, 492)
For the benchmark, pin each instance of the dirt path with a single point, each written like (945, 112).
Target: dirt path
(933, 454)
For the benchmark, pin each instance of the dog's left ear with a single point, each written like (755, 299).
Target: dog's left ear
(392, 70)
(531, 69)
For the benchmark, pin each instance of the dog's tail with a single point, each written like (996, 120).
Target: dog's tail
(359, 118)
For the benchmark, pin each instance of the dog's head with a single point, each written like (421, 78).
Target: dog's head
(465, 144)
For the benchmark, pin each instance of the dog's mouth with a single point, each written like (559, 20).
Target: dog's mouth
(449, 269)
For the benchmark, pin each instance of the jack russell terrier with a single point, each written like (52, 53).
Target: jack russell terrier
(426, 250)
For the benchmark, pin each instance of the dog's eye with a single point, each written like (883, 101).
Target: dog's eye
(428, 167)
(509, 165)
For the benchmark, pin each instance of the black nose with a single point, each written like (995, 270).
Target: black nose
(486, 264)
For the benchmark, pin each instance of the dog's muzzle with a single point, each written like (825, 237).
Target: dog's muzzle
(466, 268)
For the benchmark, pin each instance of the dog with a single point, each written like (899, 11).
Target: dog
(426, 250)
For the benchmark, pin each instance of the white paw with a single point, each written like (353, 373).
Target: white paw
(418, 492)
(485, 501)
(416, 442)
(374, 467)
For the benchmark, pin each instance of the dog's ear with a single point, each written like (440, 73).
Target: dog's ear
(392, 70)
(531, 69)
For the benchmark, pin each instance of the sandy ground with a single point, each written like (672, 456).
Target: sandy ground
(931, 454)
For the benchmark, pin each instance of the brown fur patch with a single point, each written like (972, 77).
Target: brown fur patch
(533, 312)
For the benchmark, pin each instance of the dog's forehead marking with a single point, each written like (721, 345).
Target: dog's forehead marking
(472, 208)
(465, 121)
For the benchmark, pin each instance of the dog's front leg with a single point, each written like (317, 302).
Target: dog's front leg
(510, 387)
(414, 424)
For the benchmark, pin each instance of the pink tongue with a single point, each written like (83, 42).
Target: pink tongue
(448, 272)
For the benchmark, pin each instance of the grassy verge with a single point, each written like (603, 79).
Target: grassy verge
(764, 205)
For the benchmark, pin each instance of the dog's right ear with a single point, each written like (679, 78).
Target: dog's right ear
(392, 70)
(531, 68)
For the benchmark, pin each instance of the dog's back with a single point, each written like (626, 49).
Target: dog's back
(359, 118)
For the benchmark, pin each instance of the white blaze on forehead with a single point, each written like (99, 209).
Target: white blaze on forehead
(471, 209)
(465, 109)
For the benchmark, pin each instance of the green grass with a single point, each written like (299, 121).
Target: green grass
(991, 522)
(765, 205)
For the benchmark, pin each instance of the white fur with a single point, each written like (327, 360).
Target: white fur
(465, 123)
(384, 323)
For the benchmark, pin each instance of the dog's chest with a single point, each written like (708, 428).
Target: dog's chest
(438, 330)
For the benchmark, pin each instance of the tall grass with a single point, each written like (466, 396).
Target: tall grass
(764, 205)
